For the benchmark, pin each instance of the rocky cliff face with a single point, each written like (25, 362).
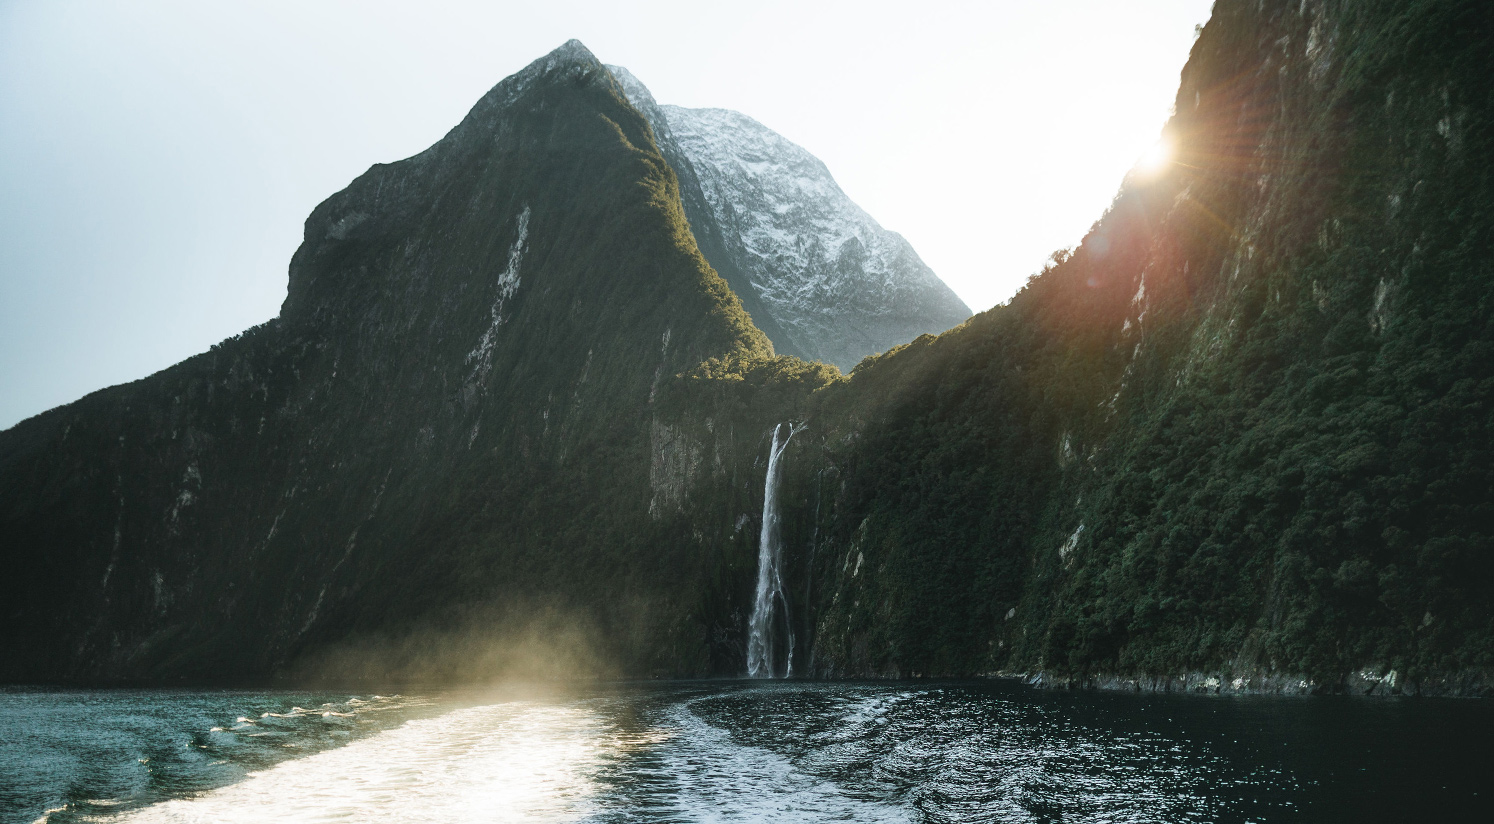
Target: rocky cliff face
(451, 429)
(1239, 438)
(817, 273)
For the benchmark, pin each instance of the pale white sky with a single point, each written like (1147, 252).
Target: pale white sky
(158, 157)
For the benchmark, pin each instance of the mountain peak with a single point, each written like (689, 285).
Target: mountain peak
(819, 276)
(571, 51)
(570, 59)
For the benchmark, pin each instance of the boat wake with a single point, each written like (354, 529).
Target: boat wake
(505, 762)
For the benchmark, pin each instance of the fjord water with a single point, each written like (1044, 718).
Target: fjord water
(737, 751)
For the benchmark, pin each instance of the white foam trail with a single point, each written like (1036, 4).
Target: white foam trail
(862, 711)
(507, 762)
(769, 592)
(721, 780)
(531, 762)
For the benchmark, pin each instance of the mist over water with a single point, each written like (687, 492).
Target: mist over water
(748, 751)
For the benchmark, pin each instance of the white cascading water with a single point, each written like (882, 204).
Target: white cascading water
(769, 592)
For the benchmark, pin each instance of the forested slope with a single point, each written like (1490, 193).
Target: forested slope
(1242, 430)
(436, 460)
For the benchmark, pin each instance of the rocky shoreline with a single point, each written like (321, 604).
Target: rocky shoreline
(1382, 683)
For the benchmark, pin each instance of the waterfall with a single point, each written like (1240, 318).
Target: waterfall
(769, 592)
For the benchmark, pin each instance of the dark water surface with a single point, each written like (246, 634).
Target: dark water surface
(739, 751)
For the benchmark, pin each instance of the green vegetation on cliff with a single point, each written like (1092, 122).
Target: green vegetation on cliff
(1245, 427)
(445, 435)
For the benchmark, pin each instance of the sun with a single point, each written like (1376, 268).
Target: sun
(1157, 158)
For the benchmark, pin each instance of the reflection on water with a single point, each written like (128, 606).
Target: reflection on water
(735, 751)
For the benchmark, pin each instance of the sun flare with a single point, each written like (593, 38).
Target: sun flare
(1157, 158)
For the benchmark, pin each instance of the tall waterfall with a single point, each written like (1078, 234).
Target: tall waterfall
(769, 573)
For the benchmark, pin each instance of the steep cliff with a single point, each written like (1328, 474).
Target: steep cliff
(449, 432)
(1243, 431)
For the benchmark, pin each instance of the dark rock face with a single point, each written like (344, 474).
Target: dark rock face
(454, 405)
(1242, 432)
(820, 277)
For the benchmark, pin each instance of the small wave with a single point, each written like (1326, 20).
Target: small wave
(47, 814)
(872, 709)
(716, 773)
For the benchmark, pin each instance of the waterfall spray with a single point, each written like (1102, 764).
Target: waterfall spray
(769, 592)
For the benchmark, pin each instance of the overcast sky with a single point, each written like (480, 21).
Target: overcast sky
(157, 158)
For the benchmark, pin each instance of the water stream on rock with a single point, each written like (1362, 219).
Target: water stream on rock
(769, 593)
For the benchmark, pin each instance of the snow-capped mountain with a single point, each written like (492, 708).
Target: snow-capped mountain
(818, 275)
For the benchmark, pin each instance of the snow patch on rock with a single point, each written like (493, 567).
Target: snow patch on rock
(837, 286)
